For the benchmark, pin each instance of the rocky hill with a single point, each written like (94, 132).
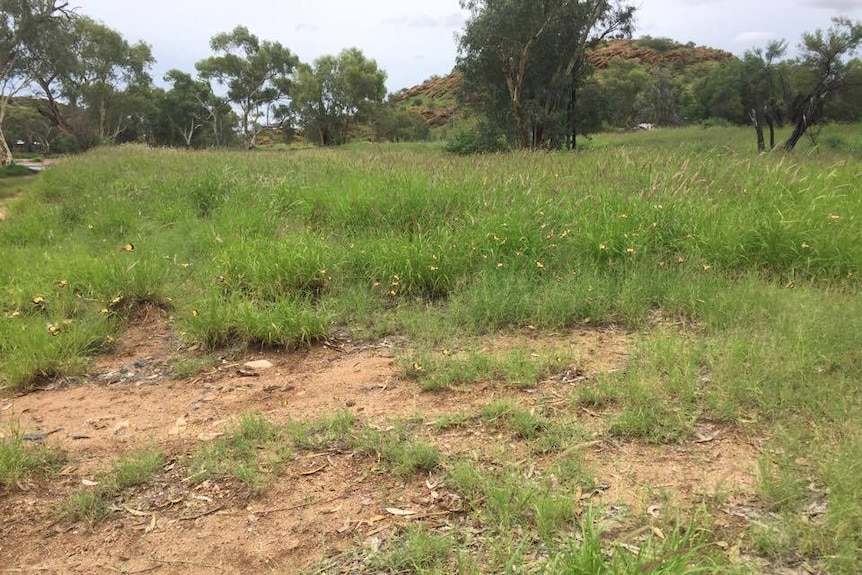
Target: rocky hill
(436, 98)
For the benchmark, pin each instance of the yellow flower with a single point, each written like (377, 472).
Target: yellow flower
(680, 260)
(109, 340)
(417, 367)
(500, 266)
(630, 251)
(38, 300)
(540, 265)
(790, 285)
(603, 247)
(706, 267)
(184, 266)
(834, 217)
(62, 283)
(805, 246)
(104, 311)
(53, 328)
(434, 268)
(16, 313)
(116, 300)
(195, 313)
(128, 248)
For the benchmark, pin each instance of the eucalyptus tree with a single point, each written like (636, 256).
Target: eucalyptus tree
(526, 59)
(191, 115)
(333, 92)
(257, 76)
(824, 55)
(23, 26)
(93, 81)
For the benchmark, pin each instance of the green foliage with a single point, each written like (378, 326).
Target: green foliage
(481, 139)
(16, 171)
(524, 62)
(331, 94)
(256, 74)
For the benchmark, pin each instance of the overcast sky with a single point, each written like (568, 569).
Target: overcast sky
(413, 40)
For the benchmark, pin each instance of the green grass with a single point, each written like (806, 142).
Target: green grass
(252, 452)
(92, 504)
(751, 263)
(21, 460)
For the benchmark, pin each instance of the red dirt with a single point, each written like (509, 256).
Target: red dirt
(322, 503)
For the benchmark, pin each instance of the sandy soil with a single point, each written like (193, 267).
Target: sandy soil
(322, 503)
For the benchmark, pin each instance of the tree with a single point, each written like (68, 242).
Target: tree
(257, 76)
(823, 55)
(94, 82)
(537, 52)
(762, 89)
(334, 92)
(191, 115)
(23, 26)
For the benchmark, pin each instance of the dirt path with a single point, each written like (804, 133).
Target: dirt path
(323, 503)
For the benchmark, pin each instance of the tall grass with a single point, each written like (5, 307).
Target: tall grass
(761, 254)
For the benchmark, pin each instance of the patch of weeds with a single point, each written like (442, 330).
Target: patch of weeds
(416, 550)
(20, 460)
(89, 506)
(398, 451)
(652, 423)
(505, 413)
(93, 503)
(450, 421)
(598, 396)
(136, 469)
(191, 366)
(333, 431)
(252, 452)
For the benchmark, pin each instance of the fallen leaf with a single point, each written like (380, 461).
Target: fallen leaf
(179, 427)
(658, 533)
(89, 482)
(118, 429)
(135, 512)
(400, 512)
(152, 524)
(333, 510)
(375, 519)
(6, 407)
(209, 436)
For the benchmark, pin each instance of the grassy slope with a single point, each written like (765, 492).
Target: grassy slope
(762, 252)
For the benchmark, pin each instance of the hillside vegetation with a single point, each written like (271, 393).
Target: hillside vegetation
(738, 277)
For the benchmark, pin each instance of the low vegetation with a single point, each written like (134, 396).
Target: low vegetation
(737, 276)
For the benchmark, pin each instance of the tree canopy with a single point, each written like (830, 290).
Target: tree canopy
(257, 76)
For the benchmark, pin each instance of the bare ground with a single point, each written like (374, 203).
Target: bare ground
(323, 503)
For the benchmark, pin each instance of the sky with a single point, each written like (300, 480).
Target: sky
(413, 40)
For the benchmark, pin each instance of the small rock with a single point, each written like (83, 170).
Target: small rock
(258, 365)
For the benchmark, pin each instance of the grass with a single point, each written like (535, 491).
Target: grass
(21, 460)
(738, 276)
(251, 452)
(92, 504)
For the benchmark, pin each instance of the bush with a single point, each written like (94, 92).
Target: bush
(15, 171)
(481, 139)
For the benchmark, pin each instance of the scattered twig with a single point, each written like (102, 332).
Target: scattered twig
(203, 514)
(315, 470)
(189, 563)
(298, 506)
